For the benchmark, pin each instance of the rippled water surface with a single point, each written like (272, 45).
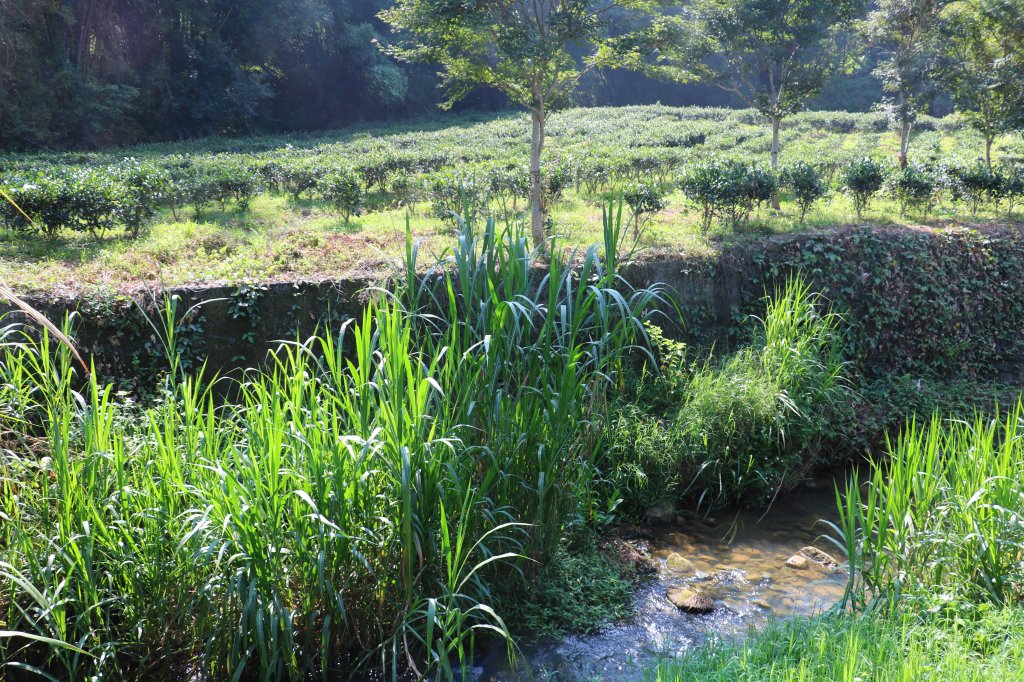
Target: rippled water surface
(737, 560)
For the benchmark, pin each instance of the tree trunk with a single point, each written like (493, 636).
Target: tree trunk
(905, 129)
(776, 124)
(536, 181)
(988, 150)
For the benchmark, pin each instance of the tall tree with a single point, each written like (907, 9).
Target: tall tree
(907, 32)
(978, 68)
(774, 55)
(534, 51)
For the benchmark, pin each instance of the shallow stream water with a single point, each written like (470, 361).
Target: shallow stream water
(736, 560)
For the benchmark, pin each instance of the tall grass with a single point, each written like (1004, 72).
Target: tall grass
(840, 648)
(360, 502)
(942, 516)
(741, 428)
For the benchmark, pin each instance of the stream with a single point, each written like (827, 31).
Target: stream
(736, 564)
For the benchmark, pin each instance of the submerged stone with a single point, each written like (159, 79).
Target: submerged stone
(819, 557)
(797, 561)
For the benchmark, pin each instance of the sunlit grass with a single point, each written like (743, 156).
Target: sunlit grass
(839, 648)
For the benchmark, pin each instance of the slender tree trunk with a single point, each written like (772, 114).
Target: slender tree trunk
(536, 181)
(776, 124)
(905, 129)
(989, 139)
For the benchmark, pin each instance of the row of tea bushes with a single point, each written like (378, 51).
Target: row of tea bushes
(98, 198)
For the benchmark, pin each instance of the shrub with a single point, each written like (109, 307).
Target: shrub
(807, 185)
(508, 185)
(976, 185)
(236, 179)
(301, 175)
(644, 200)
(726, 190)
(914, 187)
(862, 180)
(342, 189)
(1013, 185)
(459, 194)
(144, 187)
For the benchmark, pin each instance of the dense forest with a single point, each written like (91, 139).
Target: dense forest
(86, 73)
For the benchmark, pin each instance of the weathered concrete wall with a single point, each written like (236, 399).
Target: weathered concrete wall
(918, 301)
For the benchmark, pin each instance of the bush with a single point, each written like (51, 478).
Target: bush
(1013, 185)
(508, 185)
(862, 180)
(644, 200)
(977, 185)
(914, 187)
(342, 189)
(301, 175)
(729, 190)
(459, 195)
(807, 185)
(235, 179)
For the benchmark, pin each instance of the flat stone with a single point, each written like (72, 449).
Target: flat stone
(679, 564)
(762, 604)
(819, 557)
(798, 562)
(690, 601)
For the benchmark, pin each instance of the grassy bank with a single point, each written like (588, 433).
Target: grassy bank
(362, 503)
(934, 547)
(985, 646)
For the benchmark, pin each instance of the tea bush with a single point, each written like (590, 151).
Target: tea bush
(863, 179)
(807, 185)
(914, 187)
(342, 190)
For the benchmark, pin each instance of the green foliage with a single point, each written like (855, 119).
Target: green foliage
(807, 185)
(863, 179)
(907, 33)
(774, 56)
(977, 185)
(978, 67)
(366, 498)
(644, 200)
(914, 187)
(744, 427)
(968, 647)
(940, 517)
(581, 589)
(728, 190)
(342, 190)
(456, 195)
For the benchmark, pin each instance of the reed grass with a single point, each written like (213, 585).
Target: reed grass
(360, 502)
(941, 516)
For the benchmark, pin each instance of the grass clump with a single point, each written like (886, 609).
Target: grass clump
(742, 428)
(837, 648)
(581, 589)
(941, 517)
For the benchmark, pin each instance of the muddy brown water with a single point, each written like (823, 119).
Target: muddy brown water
(737, 560)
